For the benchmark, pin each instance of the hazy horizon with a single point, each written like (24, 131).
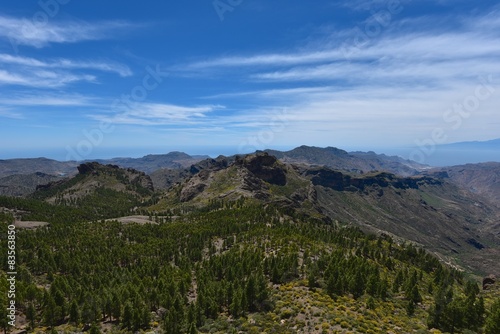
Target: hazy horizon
(439, 156)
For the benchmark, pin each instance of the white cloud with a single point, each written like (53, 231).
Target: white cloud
(35, 99)
(62, 63)
(31, 33)
(268, 60)
(403, 46)
(42, 78)
(10, 114)
(157, 114)
(395, 88)
(54, 73)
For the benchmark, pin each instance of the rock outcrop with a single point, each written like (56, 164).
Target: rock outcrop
(489, 281)
(343, 182)
(264, 166)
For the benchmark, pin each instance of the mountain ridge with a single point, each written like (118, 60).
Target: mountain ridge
(427, 210)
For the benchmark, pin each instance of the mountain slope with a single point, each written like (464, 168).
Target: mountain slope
(147, 164)
(99, 189)
(354, 162)
(429, 211)
(153, 162)
(23, 185)
(357, 162)
(482, 179)
(42, 165)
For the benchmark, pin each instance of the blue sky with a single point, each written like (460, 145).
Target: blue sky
(89, 79)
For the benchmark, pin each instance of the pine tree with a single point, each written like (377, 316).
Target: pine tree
(250, 293)
(192, 329)
(50, 311)
(116, 306)
(397, 282)
(74, 313)
(87, 313)
(415, 296)
(145, 317)
(372, 285)
(382, 289)
(312, 279)
(357, 285)
(453, 316)
(493, 321)
(31, 315)
(410, 308)
(128, 316)
(235, 307)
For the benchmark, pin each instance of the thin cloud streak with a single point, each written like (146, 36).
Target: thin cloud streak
(157, 114)
(61, 100)
(42, 78)
(6, 113)
(469, 42)
(24, 32)
(62, 63)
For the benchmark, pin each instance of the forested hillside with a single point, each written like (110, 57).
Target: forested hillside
(230, 267)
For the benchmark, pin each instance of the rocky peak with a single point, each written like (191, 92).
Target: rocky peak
(128, 175)
(264, 166)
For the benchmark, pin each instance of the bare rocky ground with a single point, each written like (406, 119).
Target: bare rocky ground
(134, 219)
(29, 224)
(138, 219)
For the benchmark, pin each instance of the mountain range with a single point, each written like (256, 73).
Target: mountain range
(450, 211)
(164, 167)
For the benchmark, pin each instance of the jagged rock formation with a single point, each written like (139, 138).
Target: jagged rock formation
(265, 167)
(93, 177)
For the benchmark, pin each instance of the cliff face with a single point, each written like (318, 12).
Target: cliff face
(342, 182)
(264, 166)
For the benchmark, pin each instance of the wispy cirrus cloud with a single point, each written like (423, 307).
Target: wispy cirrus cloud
(50, 73)
(436, 53)
(270, 59)
(402, 80)
(42, 78)
(21, 31)
(36, 99)
(62, 63)
(6, 113)
(157, 114)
